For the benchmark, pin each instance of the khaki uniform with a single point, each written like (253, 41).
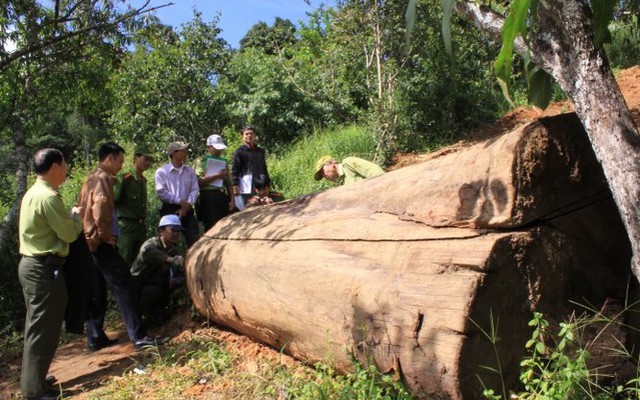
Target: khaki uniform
(131, 207)
(45, 231)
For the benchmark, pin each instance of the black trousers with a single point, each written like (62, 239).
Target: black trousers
(115, 272)
(191, 231)
(213, 205)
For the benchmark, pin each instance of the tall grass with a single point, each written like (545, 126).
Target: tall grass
(292, 168)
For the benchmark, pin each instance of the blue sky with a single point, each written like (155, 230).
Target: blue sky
(236, 16)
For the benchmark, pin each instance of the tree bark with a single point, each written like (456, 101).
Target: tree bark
(8, 227)
(562, 44)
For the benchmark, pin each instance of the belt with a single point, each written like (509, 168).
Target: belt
(134, 219)
(53, 260)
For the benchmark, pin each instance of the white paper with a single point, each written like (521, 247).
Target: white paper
(214, 167)
(239, 202)
(245, 184)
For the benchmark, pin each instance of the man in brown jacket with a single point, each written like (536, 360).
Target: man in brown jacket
(100, 228)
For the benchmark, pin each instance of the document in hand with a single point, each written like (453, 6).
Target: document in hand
(214, 166)
(246, 183)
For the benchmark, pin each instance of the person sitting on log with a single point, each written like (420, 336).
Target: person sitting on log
(263, 194)
(351, 169)
(158, 268)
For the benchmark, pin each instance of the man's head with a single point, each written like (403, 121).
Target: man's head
(262, 185)
(111, 157)
(177, 152)
(49, 165)
(142, 158)
(169, 228)
(215, 144)
(249, 136)
(326, 167)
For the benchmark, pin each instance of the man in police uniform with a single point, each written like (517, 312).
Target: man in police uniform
(130, 195)
(45, 231)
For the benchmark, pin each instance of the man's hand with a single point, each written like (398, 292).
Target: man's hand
(178, 260)
(236, 190)
(185, 207)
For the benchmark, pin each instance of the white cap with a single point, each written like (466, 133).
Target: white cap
(216, 141)
(171, 220)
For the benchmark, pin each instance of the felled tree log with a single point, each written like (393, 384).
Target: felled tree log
(410, 270)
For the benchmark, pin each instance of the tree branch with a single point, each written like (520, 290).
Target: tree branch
(489, 21)
(42, 44)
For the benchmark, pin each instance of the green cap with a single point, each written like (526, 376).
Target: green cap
(143, 150)
(319, 172)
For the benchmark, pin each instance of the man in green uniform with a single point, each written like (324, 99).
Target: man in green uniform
(130, 195)
(351, 169)
(45, 231)
(156, 268)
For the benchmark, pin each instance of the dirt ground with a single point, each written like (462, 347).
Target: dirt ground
(80, 370)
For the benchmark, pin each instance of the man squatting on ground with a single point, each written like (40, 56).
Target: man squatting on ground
(177, 188)
(45, 231)
(156, 269)
(131, 204)
(101, 231)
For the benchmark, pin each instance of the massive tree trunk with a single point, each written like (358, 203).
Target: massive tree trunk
(562, 44)
(405, 270)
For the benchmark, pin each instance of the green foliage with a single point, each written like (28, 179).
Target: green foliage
(292, 168)
(557, 365)
(624, 49)
(270, 40)
(554, 373)
(364, 383)
(514, 26)
(602, 16)
(166, 89)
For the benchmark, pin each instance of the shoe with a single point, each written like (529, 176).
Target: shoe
(49, 395)
(101, 344)
(50, 380)
(148, 341)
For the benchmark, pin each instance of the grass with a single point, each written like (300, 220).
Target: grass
(203, 367)
(292, 168)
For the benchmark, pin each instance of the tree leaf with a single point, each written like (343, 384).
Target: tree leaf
(540, 89)
(602, 16)
(516, 23)
(447, 13)
(410, 19)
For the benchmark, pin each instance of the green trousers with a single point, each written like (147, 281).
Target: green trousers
(132, 234)
(45, 297)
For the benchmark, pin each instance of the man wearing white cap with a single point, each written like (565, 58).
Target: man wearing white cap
(213, 178)
(177, 188)
(157, 264)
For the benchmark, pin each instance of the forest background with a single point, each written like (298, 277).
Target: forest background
(346, 82)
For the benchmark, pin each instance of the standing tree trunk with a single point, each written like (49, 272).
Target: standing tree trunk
(562, 43)
(10, 221)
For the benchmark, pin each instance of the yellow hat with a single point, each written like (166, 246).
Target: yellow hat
(320, 165)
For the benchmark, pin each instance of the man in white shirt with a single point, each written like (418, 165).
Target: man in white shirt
(177, 188)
